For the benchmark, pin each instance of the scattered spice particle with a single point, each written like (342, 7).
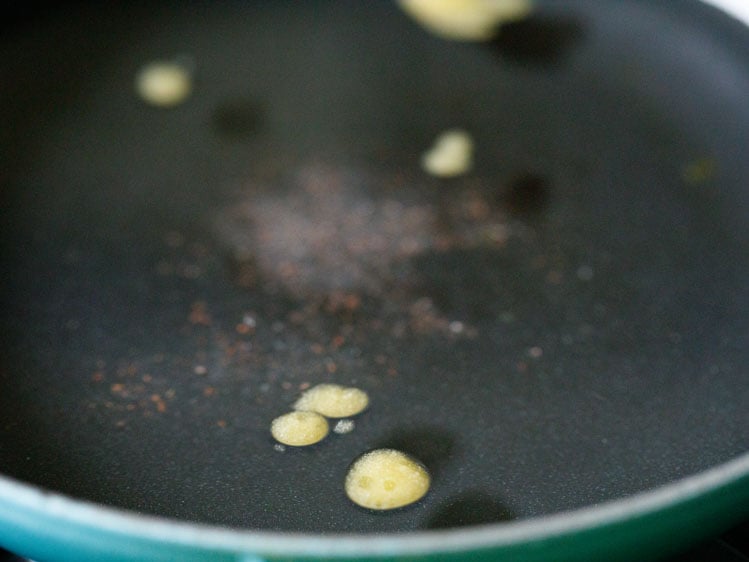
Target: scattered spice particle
(304, 386)
(209, 391)
(535, 352)
(342, 301)
(352, 301)
(286, 385)
(147, 378)
(243, 329)
(338, 341)
(297, 317)
(117, 388)
(159, 402)
(199, 314)
(200, 370)
(170, 393)
(221, 423)
(476, 207)
(317, 349)
(98, 376)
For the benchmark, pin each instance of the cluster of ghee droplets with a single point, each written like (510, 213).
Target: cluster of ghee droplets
(381, 479)
(308, 423)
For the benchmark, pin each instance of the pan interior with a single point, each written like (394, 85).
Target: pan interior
(564, 325)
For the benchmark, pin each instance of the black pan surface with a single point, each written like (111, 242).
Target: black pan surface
(565, 325)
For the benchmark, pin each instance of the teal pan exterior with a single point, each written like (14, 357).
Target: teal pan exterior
(51, 528)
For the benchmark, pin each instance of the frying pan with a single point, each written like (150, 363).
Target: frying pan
(560, 335)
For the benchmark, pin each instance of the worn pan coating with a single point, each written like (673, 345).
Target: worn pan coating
(564, 327)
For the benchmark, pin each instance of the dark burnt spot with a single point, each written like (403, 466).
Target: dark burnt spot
(527, 194)
(243, 271)
(538, 39)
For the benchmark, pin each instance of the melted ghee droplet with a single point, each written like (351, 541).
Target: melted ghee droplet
(386, 479)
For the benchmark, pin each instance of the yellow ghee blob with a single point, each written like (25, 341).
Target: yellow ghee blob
(386, 479)
(333, 401)
(163, 83)
(465, 20)
(450, 156)
(299, 428)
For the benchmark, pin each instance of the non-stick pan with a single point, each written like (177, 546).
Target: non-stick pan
(560, 335)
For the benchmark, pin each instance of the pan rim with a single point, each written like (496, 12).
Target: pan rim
(735, 8)
(165, 531)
